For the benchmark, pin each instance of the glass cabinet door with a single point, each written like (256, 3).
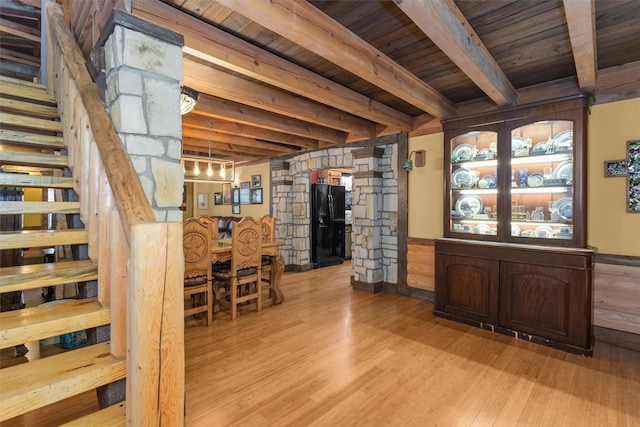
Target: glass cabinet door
(474, 179)
(541, 190)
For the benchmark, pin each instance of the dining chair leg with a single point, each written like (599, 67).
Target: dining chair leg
(234, 298)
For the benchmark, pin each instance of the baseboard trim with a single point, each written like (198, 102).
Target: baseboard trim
(615, 337)
(372, 288)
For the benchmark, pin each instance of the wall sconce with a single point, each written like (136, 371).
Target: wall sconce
(420, 160)
(188, 99)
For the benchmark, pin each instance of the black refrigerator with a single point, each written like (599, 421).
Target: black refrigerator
(327, 225)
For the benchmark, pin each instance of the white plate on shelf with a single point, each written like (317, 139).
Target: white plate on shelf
(564, 171)
(565, 207)
(540, 148)
(535, 180)
(469, 204)
(463, 152)
(564, 139)
(543, 232)
(462, 178)
(518, 144)
(515, 230)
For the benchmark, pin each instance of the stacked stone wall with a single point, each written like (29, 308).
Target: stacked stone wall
(374, 208)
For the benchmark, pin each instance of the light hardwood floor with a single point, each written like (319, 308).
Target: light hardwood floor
(331, 356)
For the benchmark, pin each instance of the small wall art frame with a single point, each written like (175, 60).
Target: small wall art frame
(629, 168)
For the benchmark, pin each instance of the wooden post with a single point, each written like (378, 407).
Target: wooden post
(155, 326)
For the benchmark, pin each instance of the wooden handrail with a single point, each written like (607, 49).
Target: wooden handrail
(128, 193)
(141, 281)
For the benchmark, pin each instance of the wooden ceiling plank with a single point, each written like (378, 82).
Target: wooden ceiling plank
(201, 146)
(229, 110)
(307, 26)
(618, 83)
(581, 22)
(221, 48)
(234, 139)
(19, 30)
(323, 122)
(9, 55)
(224, 126)
(444, 24)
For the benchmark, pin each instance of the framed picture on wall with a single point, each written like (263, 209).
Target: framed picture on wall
(236, 196)
(217, 198)
(203, 201)
(256, 181)
(226, 194)
(235, 209)
(244, 193)
(256, 196)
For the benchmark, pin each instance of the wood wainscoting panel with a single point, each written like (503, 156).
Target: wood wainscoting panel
(617, 297)
(420, 263)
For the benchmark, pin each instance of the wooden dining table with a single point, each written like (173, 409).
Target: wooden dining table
(221, 252)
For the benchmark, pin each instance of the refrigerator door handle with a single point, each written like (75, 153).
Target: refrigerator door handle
(331, 213)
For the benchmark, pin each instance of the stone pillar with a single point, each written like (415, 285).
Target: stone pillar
(367, 200)
(282, 207)
(143, 65)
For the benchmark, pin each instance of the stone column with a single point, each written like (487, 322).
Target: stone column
(282, 207)
(143, 65)
(367, 199)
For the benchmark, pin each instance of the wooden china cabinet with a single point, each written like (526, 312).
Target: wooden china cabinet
(513, 258)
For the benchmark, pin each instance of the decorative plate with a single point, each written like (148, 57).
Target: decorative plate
(462, 178)
(518, 144)
(535, 180)
(515, 230)
(564, 171)
(565, 207)
(483, 154)
(543, 232)
(540, 148)
(489, 182)
(564, 139)
(469, 204)
(463, 152)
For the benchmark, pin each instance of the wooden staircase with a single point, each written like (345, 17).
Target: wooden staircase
(31, 139)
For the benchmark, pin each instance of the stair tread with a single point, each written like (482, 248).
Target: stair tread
(32, 385)
(29, 108)
(111, 416)
(32, 123)
(41, 238)
(17, 208)
(24, 158)
(51, 319)
(25, 89)
(51, 274)
(34, 181)
(16, 137)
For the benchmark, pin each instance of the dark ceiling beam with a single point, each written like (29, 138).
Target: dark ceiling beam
(446, 26)
(218, 47)
(214, 136)
(212, 106)
(324, 122)
(581, 22)
(304, 24)
(195, 120)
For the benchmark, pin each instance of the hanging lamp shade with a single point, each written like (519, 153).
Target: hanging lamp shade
(188, 99)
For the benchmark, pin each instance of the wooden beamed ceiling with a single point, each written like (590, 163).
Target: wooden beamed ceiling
(283, 76)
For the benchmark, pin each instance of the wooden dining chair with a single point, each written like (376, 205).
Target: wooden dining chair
(213, 228)
(268, 235)
(241, 282)
(198, 279)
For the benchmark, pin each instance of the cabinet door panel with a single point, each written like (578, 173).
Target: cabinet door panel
(544, 301)
(467, 287)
